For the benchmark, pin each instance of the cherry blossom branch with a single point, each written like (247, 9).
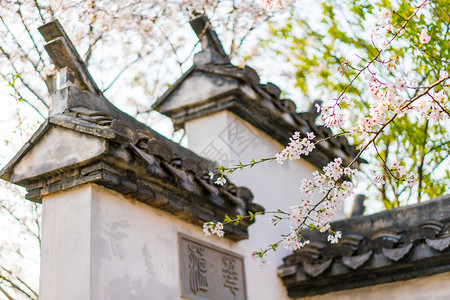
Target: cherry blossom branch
(405, 106)
(38, 7)
(19, 11)
(254, 162)
(121, 72)
(24, 54)
(20, 221)
(6, 294)
(18, 95)
(295, 236)
(380, 51)
(15, 286)
(8, 56)
(22, 282)
(333, 182)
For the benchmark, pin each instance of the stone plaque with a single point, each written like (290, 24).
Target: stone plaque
(210, 273)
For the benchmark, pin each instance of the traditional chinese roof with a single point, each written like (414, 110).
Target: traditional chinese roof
(213, 84)
(88, 140)
(399, 244)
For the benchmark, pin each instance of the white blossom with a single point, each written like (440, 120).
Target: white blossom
(424, 37)
(334, 239)
(221, 181)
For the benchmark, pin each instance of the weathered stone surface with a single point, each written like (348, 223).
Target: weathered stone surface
(200, 87)
(286, 271)
(356, 261)
(63, 54)
(396, 254)
(59, 148)
(316, 269)
(208, 272)
(439, 244)
(212, 49)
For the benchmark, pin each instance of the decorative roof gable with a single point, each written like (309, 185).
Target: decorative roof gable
(88, 140)
(213, 84)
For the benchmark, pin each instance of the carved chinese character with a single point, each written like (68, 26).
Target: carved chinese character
(210, 273)
(229, 274)
(197, 269)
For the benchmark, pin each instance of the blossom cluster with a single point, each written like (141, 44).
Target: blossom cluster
(386, 27)
(398, 171)
(219, 181)
(384, 21)
(335, 191)
(388, 97)
(433, 108)
(326, 181)
(275, 4)
(329, 116)
(334, 238)
(213, 228)
(292, 241)
(296, 147)
(396, 166)
(318, 216)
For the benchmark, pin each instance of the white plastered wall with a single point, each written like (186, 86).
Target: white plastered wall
(98, 244)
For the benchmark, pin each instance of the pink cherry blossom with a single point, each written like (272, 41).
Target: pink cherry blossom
(424, 37)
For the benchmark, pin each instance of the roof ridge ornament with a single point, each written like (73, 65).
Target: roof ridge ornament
(212, 49)
(66, 58)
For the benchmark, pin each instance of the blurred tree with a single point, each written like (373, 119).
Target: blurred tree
(329, 48)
